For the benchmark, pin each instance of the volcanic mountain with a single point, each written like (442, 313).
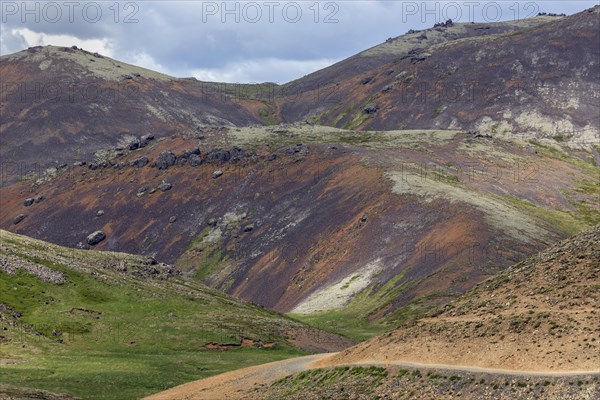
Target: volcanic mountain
(347, 226)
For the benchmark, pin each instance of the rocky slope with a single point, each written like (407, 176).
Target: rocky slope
(60, 105)
(362, 382)
(333, 219)
(539, 315)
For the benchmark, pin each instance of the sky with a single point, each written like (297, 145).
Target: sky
(240, 41)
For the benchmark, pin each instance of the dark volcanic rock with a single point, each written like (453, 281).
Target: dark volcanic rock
(218, 156)
(298, 148)
(38, 199)
(134, 144)
(368, 79)
(95, 238)
(19, 218)
(28, 202)
(165, 186)
(371, 108)
(195, 160)
(145, 140)
(237, 153)
(172, 219)
(165, 160)
(140, 162)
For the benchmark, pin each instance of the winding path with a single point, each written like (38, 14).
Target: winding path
(234, 384)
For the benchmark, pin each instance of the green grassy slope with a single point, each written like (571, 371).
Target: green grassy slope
(106, 334)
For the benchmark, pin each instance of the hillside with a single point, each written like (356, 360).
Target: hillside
(63, 104)
(541, 314)
(104, 325)
(536, 76)
(354, 229)
(349, 228)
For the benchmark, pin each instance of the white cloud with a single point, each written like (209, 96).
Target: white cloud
(31, 38)
(261, 70)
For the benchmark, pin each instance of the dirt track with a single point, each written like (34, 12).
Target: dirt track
(235, 384)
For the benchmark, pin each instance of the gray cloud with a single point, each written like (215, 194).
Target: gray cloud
(246, 41)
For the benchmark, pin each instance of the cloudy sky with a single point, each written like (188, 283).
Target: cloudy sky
(240, 41)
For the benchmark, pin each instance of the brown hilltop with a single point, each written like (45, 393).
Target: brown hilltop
(62, 104)
(537, 75)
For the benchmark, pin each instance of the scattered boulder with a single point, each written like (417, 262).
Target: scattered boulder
(134, 144)
(195, 160)
(371, 108)
(97, 55)
(19, 218)
(95, 238)
(248, 228)
(165, 160)
(237, 153)
(38, 199)
(446, 24)
(164, 186)
(145, 140)
(217, 174)
(218, 156)
(280, 129)
(28, 202)
(417, 59)
(172, 219)
(363, 218)
(100, 213)
(140, 162)
(212, 222)
(192, 152)
(368, 79)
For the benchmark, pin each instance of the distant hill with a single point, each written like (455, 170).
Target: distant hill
(538, 76)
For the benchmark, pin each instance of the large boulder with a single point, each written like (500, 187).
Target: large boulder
(165, 160)
(195, 160)
(371, 108)
(145, 140)
(237, 153)
(218, 156)
(165, 186)
(95, 238)
(19, 218)
(140, 162)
